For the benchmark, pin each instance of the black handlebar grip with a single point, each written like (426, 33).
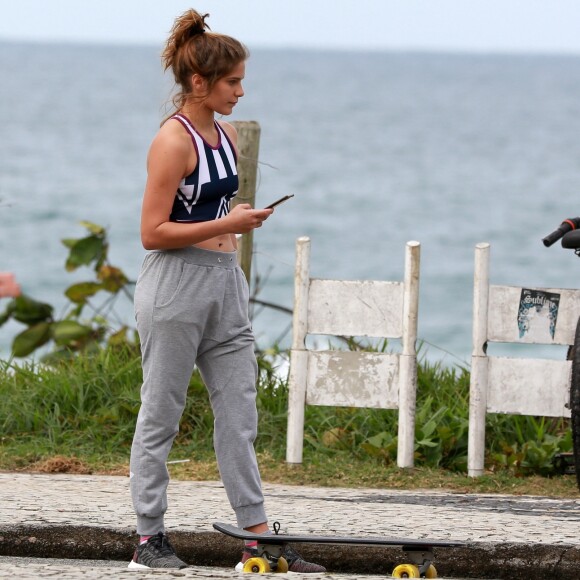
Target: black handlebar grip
(565, 227)
(552, 238)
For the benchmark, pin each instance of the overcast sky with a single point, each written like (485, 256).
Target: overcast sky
(472, 25)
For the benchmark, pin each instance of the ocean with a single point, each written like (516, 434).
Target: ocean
(379, 148)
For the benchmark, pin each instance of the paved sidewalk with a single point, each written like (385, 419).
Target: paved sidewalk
(86, 570)
(79, 516)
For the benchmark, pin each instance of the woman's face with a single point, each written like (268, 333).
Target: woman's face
(227, 91)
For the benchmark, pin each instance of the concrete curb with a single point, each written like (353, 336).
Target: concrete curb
(475, 560)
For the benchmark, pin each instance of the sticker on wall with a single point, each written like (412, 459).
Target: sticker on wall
(537, 314)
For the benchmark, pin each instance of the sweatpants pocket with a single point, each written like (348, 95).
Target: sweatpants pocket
(169, 280)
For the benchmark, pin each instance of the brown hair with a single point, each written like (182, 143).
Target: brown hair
(193, 49)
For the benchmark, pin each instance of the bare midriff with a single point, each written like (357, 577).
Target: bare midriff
(225, 243)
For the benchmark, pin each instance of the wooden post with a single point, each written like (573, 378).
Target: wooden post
(408, 358)
(299, 354)
(479, 364)
(248, 148)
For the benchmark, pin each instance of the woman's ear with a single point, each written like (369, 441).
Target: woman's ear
(198, 84)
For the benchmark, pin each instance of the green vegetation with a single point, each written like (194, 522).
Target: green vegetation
(74, 332)
(75, 410)
(78, 415)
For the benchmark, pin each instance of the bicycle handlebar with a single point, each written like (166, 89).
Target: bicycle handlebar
(566, 226)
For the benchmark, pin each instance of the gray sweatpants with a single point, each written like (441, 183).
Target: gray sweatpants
(191, 307)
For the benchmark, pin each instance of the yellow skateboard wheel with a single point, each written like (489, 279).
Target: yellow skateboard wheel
(431, 572)
(282, 565)
(256, 566)
(406, 571)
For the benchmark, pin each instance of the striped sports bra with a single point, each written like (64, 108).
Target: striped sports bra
(205, 194)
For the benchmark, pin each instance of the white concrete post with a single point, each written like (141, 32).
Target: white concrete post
(479, 364)
(299, 354)
(408, 358)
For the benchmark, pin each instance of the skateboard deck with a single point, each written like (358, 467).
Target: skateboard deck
(270, 549)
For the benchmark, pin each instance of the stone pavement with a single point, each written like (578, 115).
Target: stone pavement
(87, 570)
(82, 516)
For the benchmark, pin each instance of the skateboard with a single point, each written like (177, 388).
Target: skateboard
(270, 550)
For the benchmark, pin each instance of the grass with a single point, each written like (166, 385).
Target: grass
(338, 471)
(79, 416)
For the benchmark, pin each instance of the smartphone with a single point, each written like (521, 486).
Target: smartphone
(279, 201)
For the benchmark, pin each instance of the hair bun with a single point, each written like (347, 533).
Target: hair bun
(198, 24)
(190, 24)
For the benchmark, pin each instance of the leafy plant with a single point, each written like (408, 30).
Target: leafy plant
(73, 333)
(529, 445)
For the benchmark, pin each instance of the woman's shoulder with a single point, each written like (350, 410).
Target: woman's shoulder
(171, 141)
(172, 134)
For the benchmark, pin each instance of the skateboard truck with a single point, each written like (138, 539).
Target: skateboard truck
(271, 553)
(423, 559)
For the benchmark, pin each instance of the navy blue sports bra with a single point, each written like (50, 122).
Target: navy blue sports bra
(205, 194)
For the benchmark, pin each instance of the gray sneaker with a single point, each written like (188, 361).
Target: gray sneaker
(297, 564)
(156, 552)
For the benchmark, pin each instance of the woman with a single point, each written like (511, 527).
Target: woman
(191, 299)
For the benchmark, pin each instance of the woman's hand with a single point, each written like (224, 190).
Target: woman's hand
(243, 218)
